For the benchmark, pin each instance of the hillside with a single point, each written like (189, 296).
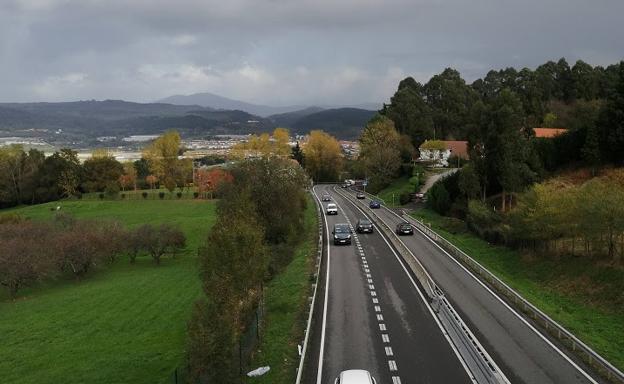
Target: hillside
(344, 123)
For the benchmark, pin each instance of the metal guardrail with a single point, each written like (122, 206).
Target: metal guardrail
(483, 367)
(319, 255)
(571, 342)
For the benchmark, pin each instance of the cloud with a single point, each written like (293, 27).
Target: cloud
(284, 51)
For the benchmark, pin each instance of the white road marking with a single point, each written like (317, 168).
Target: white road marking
(385, 338)
(389, 351)
(373, 293)
(377, 308)
(375, 300)
(371, 287)
(382, 327)
(392, 364)
(396, 380)
(380, 317)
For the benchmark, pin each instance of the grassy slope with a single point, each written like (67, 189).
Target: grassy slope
(559, 288)
(397, 187)
(286, 297)
(124, 324)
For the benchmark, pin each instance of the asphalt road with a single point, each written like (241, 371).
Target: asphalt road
(374, 316)
(523, 353)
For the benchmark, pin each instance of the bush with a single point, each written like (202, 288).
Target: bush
(144, 194)
(195, 195)
(123, 195)
(101, 196)
(78, 195)
(484, 222)
(161, 195)
(179, 195)
(438, 198)
(158, 241)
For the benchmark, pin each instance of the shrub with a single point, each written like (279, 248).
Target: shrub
(158, 241)
(438, 198)
(78, 195)
(101, 196)
(179, 195)
(144, 194)
(123, 195)
(161, 195)
(195, 195)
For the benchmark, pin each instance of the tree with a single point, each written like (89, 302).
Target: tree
(409, 112)
(611, 122)
(161, 240)
(591, 149)
(100, 171)
(162, 156)
(151, 180)
(233, 264)
(210, 181)
(380, 150)
(24, 254)
(323, 156)
(129, 177)
(297, 154)
(469, 182)
(62, 166)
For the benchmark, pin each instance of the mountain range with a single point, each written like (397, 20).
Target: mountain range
(206, 99)
(81, 123)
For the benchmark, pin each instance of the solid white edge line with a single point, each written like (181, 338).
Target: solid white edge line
(437, 321)
(551, 344)
(319, 375)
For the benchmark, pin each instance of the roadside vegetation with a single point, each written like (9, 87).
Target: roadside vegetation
(125, 322)
(260, 224)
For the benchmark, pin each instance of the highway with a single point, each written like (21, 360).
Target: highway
(372, 315)
(523, 353)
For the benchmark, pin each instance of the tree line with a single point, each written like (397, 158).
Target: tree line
(33, 251)
(29, 177)
(259, 223)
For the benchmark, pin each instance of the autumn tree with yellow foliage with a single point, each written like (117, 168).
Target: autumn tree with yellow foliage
(323, 157)
(162, 157)
(264, 145)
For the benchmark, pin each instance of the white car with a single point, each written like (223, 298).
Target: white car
(355, 376)
(332, 209)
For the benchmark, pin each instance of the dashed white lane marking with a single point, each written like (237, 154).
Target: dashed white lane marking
(377, 308)
(382, 327)
(373, 293)
(371, 287)
(375, 300)
(370, 281)
(392, 365)
(396, 380)
(389, 351)
(385, 338)
(368, 275)
(380, 317)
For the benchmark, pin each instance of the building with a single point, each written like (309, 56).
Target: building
(549, 132)
(438, 152)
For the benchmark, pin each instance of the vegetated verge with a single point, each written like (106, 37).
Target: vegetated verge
(584, 297)
(285, 306)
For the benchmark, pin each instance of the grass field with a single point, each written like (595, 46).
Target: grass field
(122, 324)
(582, 295)
(286, 298)
(390, 194)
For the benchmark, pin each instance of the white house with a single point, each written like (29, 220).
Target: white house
(438, 152)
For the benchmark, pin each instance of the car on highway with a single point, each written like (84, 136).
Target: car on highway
(345, 185)
(326, 197)
(360, 195)
(364, 226)
(331, 209)
(342, 234)
(404, 228)
(355, 376)
(375, 204)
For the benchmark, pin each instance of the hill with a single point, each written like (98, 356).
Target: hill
(289, 118)
(344, 123)
(211, 100)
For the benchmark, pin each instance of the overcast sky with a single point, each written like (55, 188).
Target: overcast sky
(283, 52)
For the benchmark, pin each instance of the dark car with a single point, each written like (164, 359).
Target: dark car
(342, 234)
(326, 197)
(364, 226)
(404, 228)
(375, 204)
(360, 195)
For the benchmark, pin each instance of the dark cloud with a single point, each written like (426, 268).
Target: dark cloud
(284, 51)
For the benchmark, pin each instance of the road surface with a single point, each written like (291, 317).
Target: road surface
(372, 315)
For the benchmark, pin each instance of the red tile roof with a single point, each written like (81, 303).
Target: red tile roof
(458, 148)
(548, 132)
